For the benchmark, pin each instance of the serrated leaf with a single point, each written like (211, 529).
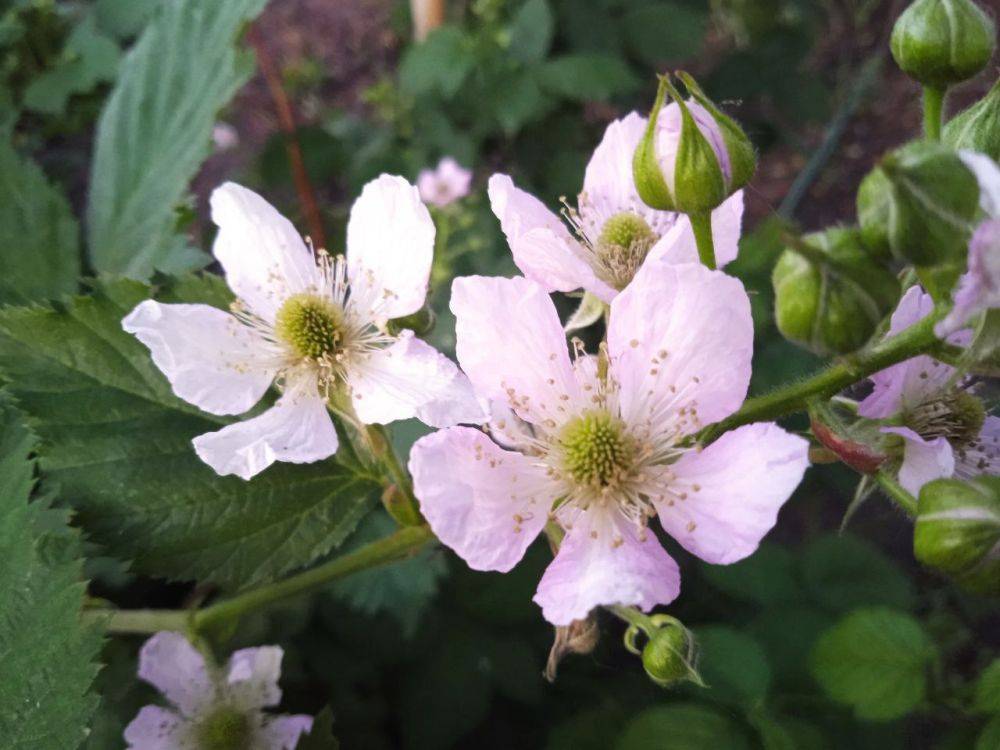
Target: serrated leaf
(118, 443)
(842, 572)
(155, 129)
(875, 660)
(665, 31)
(733, 665)
(682, 726)
(39, 239)
(988, 688)
(47, 655)
(531, 31)
(439, 64)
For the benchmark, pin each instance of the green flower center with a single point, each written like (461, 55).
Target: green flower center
(622, 246)
(224, 729)
(311, 325)
(596, 450)
(957, 416)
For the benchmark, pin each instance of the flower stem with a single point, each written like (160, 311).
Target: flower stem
(702, 226)
(902, 498)
(917, 339)
(933, 112)
(398, 497)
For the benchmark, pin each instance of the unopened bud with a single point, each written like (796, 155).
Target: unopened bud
(692, 156)
(829, 293)
(873, 206)
(942, 42)
(667, 656)
(978, 127)
(957, 531)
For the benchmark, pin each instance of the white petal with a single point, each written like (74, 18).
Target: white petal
(540, 243)
(603, 560)
(723, 499)
(297, 429)
(283, 732)
(253, 675)
(923, 460)
(988, 176)
(174, 667)
(678, 244)
(412, 379)
(156, 728)
(511, 345)
(486, 503)
(390, 246)
(211, 359)
(680, 340)
(263, 255)
(608, 180)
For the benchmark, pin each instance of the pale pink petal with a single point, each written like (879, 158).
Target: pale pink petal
(678, 244)
(297, 429)
(252, 677)
(983, 456)
(156, 728)
(283, 732)
(508, 429)
(412, 379)
(923, 460)
(511, 345)
(604, 560)
(913, 381)
(987, 174)
(486, 503)
(444, 185)
(978, 289)
(722, 500)
(390, 246)
(263, 255)
(680, 340)
(608, 179)
(174, 667)
(211, 359)
(540, 243)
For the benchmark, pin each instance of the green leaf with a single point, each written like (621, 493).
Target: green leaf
(517, 100)
(844, 572)
(124, 18)
(118, 443)
(875, 660)
(47, 656)
(786, 734)
(733, 665)
(531, 31)
(439, 64)
(681, 726)
(320, 737)
(788, 633)
(39, 242)
(988, 689)
(665, 31)
(989, 738)
(766, 577)
(156, 127)
(587, 77)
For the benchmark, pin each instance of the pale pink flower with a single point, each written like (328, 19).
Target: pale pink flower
(315, 326)
(943, 426)
(600, 456)
(212, 705)
(611, 232)
(445, 184)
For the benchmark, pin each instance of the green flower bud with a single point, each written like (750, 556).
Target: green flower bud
(942, 42)
(874, 198)
(957, 531)
(692, 156)
(666, 657)
(978, 127)
(421, 322)
(829, 293)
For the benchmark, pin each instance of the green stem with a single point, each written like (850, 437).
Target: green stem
(398, 498)
(895, 491)
(917, 339)
(397, 546)
(933, 112)
(702, 226)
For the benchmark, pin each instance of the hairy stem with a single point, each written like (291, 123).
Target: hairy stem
(933, 112)
(895, 491)
(702, 226)
(398, 497)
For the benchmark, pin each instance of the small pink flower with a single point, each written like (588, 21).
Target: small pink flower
(943, 426)
(601, 456)
(312, 325)
(611, 231)
(445, 184)
(212, 705)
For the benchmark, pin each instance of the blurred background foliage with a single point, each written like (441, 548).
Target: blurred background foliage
(822, 639)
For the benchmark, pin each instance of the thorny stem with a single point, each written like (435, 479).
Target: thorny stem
(397, 546)
(702, 226)
(933, 111)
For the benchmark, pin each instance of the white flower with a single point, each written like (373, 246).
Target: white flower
(446, 184)
(316, 327)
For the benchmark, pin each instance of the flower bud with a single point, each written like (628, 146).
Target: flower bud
(873, 202)
(942, 42)
(978, 127)
(692, 156)
(957, 531)
(666, 657)
(829, 293)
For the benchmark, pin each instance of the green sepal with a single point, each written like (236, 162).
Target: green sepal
(874, 197)
(699, 184)
(957, 531)
(649, 181)
(978, 127)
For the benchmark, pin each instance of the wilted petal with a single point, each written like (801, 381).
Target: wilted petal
(263, 255)
(252, 677)
(211, 359)
(486, 503)
(297, 429)
(412, 379)
(678, 244)
(174, 667)
(923, 460)
(723, 499)
(156, 728)
(390, 246)
(605, 560)
(283, 732)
